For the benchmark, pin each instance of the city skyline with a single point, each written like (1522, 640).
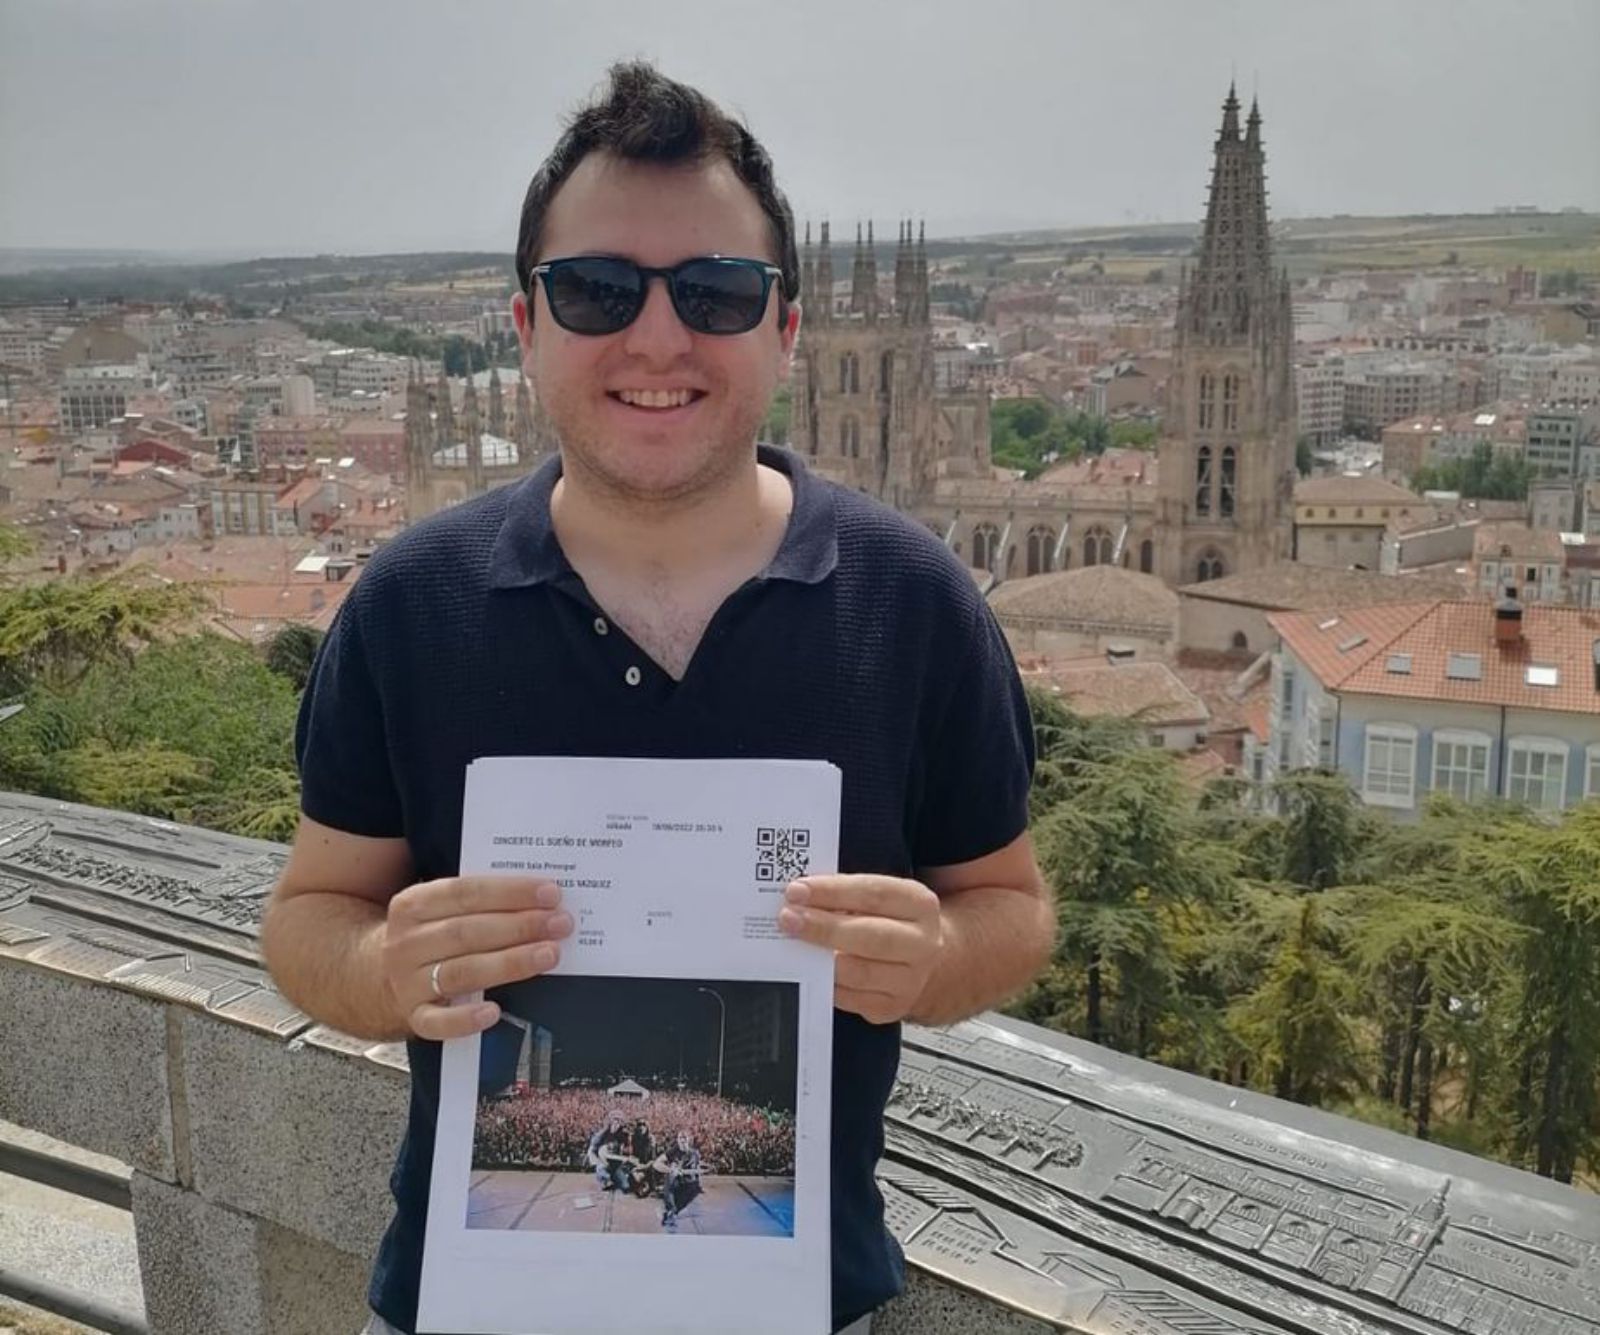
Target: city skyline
(358, 130)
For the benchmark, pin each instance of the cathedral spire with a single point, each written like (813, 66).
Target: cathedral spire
(523, 427)
(902, 273)
(869, 277)
(858, 277)
(497, 404)
(1230, 117)
(444, 412)
(472, 435)
(1232, 284)
(807, 273)
(824, 280)
(1252, 135)
(920, 296)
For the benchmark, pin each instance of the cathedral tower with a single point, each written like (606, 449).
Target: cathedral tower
(1227, 466)
(497, 405)
(864, 408)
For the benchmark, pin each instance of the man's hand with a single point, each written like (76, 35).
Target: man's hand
(463, 934)
(885, 931)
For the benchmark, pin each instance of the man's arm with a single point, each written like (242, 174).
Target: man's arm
(970, 937)
(323, 930)
(997, 930)
(351, 942)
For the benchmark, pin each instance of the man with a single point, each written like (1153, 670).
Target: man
(680, 1165)
(642, 1149)
(663, 589)
(608, 1151)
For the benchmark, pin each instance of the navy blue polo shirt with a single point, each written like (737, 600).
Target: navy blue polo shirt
(864, 643)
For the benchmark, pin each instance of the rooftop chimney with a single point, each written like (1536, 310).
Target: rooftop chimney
(1508, 619)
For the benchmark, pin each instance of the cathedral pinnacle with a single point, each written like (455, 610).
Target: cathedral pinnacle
(1230, 116)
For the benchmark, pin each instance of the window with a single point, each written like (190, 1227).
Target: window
(1147, 556)
(1461, 764)
(985, 546)
(1230, 403)
(1325, 739)
(1390, 772)
(1097, 547)
(1208, 567)
(1041, 546)
(1229, 466)
(1591, 782)
(1206, 405)
(1536, 772)
(1202, 481)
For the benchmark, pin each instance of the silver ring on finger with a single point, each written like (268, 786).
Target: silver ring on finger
(433, 980)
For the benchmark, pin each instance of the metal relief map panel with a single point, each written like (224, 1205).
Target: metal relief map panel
(1096, 1192)
(1107, 1194)
(163, 910)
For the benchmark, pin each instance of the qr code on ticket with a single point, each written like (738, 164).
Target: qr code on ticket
(782, 853)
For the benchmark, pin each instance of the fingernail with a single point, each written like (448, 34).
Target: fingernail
(798, 893)
(790, 920)
(559, 925)
(486, 1015)
(547, 896)
(545, 957)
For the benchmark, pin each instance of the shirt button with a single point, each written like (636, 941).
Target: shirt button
(631, 676)
(600, 626)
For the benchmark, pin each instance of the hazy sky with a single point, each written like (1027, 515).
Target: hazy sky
(288, 126)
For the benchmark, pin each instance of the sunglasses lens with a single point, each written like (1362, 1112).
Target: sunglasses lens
(720, 296)
(594, 295)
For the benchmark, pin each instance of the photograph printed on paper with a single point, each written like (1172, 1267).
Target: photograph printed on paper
(638, 1105)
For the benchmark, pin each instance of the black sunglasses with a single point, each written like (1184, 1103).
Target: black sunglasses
(601, 294)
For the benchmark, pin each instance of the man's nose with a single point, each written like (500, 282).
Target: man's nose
(658, 333)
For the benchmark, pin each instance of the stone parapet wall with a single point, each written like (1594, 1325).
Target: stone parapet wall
(1036, 1182)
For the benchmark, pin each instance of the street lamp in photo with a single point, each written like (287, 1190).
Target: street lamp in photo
(722, 1030)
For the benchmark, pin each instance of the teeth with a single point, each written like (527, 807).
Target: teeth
(655, 398)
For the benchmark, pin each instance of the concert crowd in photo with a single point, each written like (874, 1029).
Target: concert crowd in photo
(527, 1128)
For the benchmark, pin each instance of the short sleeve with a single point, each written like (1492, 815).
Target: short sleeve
(340, 742)
(979, 756)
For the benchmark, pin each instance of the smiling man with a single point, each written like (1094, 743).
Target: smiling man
(664, 588)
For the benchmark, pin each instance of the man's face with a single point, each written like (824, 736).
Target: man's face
(655, 216)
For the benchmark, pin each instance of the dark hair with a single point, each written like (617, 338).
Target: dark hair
(643, 116)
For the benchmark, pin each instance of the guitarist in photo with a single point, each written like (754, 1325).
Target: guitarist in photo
(608, 1155)
(681, 1165)
(642, 1150)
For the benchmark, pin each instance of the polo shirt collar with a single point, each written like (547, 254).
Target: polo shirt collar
(527, 552)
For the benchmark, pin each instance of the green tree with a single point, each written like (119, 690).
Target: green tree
(1550, 877)
(1295, 1021)
(196, 728)
(1120, 846)
(1133, 433)
(59, 629)
(1430, 954)
(291, 652)
(1304, 460)
(1325, 828)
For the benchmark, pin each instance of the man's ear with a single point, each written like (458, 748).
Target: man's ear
(522, 318)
